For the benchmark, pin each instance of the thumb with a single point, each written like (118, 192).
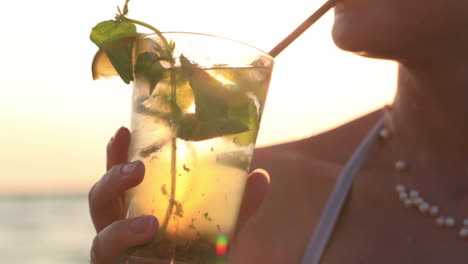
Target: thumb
(257, 186)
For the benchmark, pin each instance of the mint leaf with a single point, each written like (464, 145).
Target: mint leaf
(148, 65)
(207, 107)
(184, 94)
(116, 38)
(229, 93)
(106, 32)
(193, 129)
(217, 113)
(245, 114)
(249, 117)
(204, 86)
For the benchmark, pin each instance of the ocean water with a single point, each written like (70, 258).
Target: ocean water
(45, 229)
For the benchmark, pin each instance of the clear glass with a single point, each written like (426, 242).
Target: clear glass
(194, 124)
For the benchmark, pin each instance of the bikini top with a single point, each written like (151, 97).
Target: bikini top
(337, 197)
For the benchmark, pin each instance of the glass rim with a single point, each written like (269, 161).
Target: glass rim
(212, 36)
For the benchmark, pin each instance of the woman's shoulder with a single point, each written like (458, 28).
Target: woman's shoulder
(306, 170)
(332, 147)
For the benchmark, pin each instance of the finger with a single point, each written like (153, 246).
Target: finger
(256, 189)
(115, 239)
(105, 198)
(117, 148)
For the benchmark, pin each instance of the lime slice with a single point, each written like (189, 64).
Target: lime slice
(102, 66)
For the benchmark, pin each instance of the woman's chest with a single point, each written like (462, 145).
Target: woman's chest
(388, 241)
(373, 228)
(396, 246)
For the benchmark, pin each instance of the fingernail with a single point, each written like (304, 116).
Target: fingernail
(129, 168)
(117, 133)
(143, 223)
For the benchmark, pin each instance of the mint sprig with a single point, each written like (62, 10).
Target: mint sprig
(117, 38)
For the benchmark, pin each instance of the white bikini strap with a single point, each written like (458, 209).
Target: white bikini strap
(337, 197)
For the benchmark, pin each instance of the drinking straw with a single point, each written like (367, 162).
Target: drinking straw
(303, 27)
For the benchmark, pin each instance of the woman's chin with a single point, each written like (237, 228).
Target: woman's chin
(356, 36)
(343, 39)
(347, 33)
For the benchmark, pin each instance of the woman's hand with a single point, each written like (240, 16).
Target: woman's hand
(115, 234)
(106, 202)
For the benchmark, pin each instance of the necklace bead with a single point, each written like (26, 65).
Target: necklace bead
(465, 222)
(400, 188)
(403, 196)
(424, 207)
(412, 198)
(408, 203)
(384, 133)
(401, 165)
(434, 210)
(440, 221)
(414, 194)
(417, 201)
(463, 232)
(449, 221)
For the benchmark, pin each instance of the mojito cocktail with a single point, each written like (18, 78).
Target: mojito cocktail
(194, 122)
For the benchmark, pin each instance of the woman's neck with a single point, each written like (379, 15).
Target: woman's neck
(430, 111)
(429, 123)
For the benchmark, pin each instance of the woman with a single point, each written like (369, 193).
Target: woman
(409, 197)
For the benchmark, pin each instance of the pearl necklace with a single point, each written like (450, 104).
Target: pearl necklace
(411, 198)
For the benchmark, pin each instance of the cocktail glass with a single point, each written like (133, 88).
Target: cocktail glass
(194, 124)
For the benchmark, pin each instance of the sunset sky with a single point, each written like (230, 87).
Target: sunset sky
(56, 121)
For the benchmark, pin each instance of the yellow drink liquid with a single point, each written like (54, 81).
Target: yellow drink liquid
(194, 188)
